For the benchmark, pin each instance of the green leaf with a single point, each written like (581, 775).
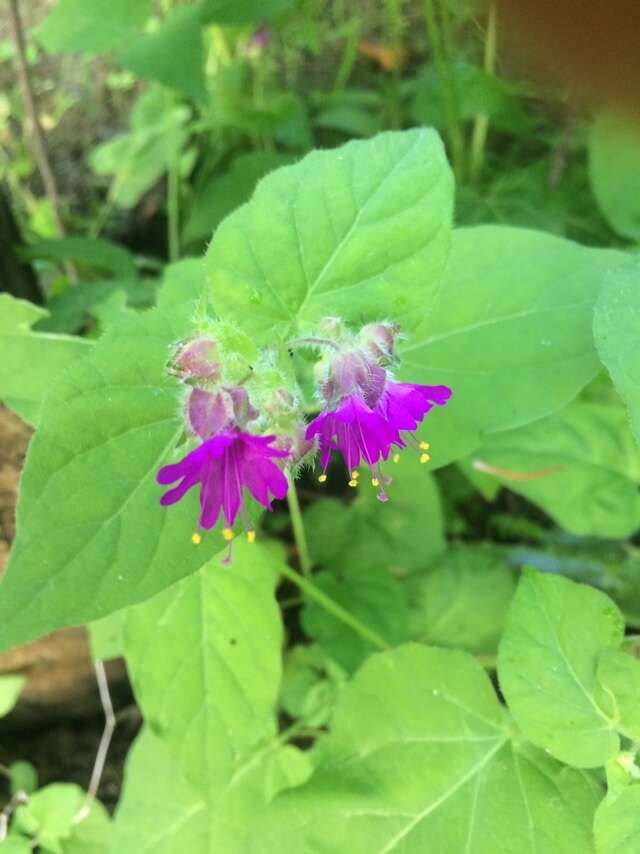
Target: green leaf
(10, 689)
(91, 534)
(581, 466)
(463, 601)
(311, 681)
(49, 814)
(221, 194)
(91, 253)
(615, 328)
(138, 159)
(510, 331)
(618, 675)
(359, 231)
(419, 759)
(80, 305)
(105, 637)
(92, 835)
(374, 597)
(160, 813)
(30, 361)
(24, 777)
(614, 170)
(182, 282)
(172, 55)
(617, 823)
(224, 622)
(16, 845)
(547, 665)
(244, 11)
(95, 27)
(402, 535)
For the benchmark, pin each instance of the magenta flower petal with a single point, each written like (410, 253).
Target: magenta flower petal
(404, 405)
(224, 466)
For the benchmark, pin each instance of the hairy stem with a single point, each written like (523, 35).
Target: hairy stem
(481, 121)
(299, 534)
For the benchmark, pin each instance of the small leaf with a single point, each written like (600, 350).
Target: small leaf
(10, 689)
(49, 814)
(95, 254)
(618, 675)
(95, 27)
(547, 662)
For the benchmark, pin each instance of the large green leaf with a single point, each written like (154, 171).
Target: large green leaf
(94, 27)
(91, 535)
(205, 661)
(361, 231)
(547, 664)
(616, 324)
(244, 11)
(617, 823)
(581, 466)
(31, 361)
(614, 170)
(172, 55)
(463, 601)
(510, 331)
(94, 253)
(419, 758)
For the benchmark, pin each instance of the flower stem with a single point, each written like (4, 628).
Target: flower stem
(481, 121)
(313, 342)
(333, 608)
(299, 534)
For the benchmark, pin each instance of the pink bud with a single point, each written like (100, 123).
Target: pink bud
(378, 339)
(197, 358)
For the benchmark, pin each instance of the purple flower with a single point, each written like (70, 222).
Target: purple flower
(223, 466)
(366, 424)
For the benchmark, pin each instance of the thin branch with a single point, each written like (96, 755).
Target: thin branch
(105, 741)
(35, 133)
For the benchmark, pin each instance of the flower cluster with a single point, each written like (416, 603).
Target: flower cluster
(366, 415)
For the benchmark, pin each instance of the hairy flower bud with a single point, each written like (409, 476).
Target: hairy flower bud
(197, 359)
(378, 340)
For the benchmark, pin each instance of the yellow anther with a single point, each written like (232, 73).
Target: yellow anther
(227, 534)
(251, 536)
(375, 481)
(196, 539)
(396, 458)
(353, 483)
(424, 446)
(322, 478)
(424, 458)
(355, 474)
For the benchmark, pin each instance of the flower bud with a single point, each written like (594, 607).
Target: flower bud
(378, 340)
(197, 359)
(354, 373)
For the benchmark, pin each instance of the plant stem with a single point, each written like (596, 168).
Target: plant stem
(333, 608)
(438, 44)
(481, 121)
(299, 534)
(313, 342)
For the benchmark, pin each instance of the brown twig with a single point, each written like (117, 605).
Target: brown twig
(35, 133)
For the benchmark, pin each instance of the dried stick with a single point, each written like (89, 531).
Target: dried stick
(105, 741)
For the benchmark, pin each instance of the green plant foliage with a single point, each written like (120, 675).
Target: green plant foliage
(79, 306)
(221, 194)
(617, 824)
(182, 282)
(616, 322)
(614, 170)
(315, 239)
(499, 332)
(172, 55)
(548, 668)
(78, 26)
(108, 424)
(311, 681)
(29, 361)
(229, 677)
(10, 689)
(374, 596)
(404, 538)
(581, 466)
(420, 757)
(244, 11)
(95, 254)
(51, 819)
(136, 160)
(463, 601)
(216, 715)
